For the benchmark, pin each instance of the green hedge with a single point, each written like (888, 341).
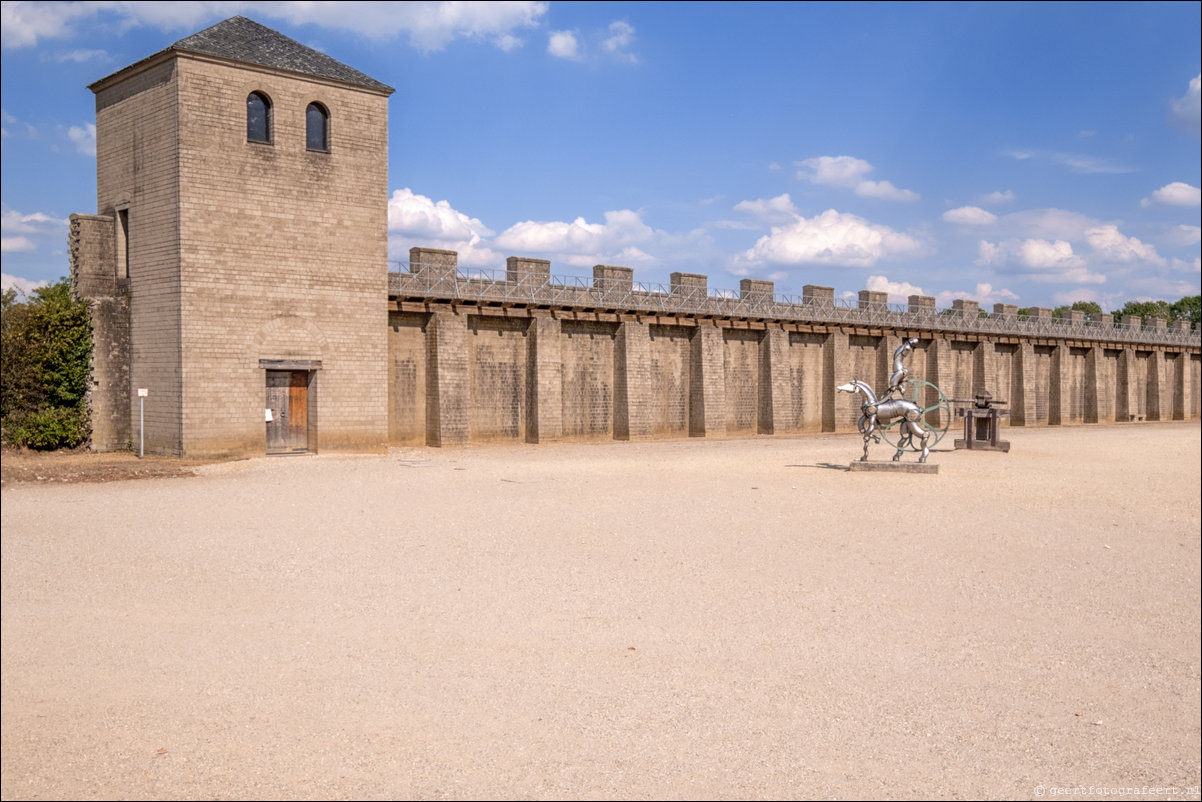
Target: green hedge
(45, 350)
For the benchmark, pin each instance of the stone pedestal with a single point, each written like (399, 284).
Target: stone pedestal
(895, 467)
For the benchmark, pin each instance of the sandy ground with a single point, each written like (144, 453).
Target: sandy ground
(691, 619)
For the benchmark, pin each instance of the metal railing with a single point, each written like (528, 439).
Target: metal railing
(438, 282)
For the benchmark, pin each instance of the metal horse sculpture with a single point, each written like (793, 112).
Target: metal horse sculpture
(876, 413)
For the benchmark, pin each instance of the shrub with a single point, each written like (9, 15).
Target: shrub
(46, 347)
(49, 428)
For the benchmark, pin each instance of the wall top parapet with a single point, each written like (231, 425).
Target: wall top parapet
(613, 288)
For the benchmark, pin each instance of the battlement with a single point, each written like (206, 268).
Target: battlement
(434, 275)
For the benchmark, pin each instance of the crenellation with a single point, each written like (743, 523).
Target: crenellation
(868, 299)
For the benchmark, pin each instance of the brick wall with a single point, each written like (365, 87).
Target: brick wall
(1074, 374)
(283, 256)
(407, 378)
(742, 370)
(862, 363)
(92, 245)
(668, 394)
(628, 378)
(137, 154)
(1193, 384)
(805, 365)
(241, 253)
(587, 353)
(497, 352)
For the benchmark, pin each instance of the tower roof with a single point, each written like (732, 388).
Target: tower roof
(244, 40)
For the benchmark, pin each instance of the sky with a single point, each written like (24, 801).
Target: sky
(1034, 154)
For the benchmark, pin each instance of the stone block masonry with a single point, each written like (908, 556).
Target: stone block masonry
(218, 258)
(527, 356)
(92, 244)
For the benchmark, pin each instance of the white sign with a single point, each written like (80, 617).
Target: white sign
(143, 392)
(267, 415)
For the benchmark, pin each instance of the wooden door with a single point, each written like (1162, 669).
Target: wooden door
(288, 411)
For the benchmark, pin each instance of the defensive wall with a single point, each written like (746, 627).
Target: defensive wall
(521, 355)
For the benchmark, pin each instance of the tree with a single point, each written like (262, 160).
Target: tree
(1144, 310)
(1188, 308)
(1091, 308)
(46, 348)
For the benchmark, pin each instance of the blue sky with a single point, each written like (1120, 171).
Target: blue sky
(1034, 154)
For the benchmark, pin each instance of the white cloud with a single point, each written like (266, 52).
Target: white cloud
(1054, 246)
(1187, 110)
(27, 232)
(16, 244)
(899, 291)
(831, 238)
(565, 45)
(1177, 193)
(417, 220)
(1043, 255)
(81, 56)
(1188, 266)
(970, 215)
(1184, 236)
(617, 44)
(22, 129)
(619, 237)
(885, 191)
(1003, 196)
(847, 172)
(23, 286)
(1159, 287)
(1112, 246)
(429, 26)
(84, 138)
(418, 216)
(983, 294)
(775, 211)
(23, 24)
(1039, 260)
(13, 222)
(613, 43)
(1048, 224)
(623, 238)
(1072, 296)
(835, 171)
(1075, 162)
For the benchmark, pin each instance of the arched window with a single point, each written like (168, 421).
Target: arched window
(258, 118)
(317, 127)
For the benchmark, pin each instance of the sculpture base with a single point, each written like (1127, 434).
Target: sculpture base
(982, 445)
(896, 467)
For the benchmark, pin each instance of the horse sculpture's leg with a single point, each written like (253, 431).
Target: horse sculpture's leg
(867, 426)
(926, 442)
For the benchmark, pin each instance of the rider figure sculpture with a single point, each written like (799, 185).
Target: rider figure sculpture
(900, 371)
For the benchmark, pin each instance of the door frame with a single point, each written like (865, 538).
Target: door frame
(293, 367)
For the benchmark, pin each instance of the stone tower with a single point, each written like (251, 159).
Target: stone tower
(237, 266)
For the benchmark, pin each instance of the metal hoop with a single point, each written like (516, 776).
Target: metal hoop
(916, 391)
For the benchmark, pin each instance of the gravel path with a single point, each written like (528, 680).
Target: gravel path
(675, 620)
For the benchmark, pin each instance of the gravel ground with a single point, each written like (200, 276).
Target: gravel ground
(719, 619)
